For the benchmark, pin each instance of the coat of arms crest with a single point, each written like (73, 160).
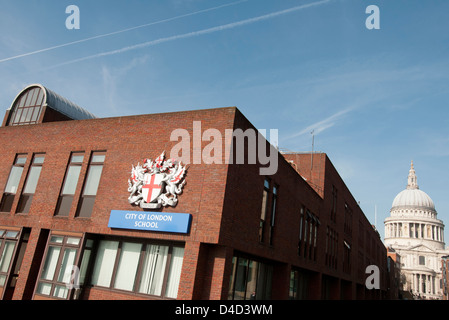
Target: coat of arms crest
(156, 183)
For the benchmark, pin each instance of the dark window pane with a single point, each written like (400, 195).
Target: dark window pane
(24, 203)
(85, 207)
(63, 206)
(6, 203)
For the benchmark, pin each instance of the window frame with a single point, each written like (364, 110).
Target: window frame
(62, 199)
(334, 201)
(265, 280)
(8, 197)
(139, 270)
(301, 231)
(299, 283)
(421, 260)
(86, 202)
(63, 245)
(274, 200)
(264, 209)
(27, 106)
(4, 238)
(26, 198)
(347, 256)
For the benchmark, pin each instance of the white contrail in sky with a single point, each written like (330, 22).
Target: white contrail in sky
(120, 31)
(322, 125)
(197, 33)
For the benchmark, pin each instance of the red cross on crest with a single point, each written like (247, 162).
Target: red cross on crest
(152, 187)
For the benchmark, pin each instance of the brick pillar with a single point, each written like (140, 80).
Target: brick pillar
(31, 262)
(281, 281)
(189, 270)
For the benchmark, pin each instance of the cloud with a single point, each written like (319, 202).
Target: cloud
(111, 78)
(197, 33)
(321, 125)
(118, 32)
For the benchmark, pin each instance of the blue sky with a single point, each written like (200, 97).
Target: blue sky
(376, 99)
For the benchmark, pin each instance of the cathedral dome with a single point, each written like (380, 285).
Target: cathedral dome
(412, 197)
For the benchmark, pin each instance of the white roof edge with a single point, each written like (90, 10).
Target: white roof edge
(59, 103)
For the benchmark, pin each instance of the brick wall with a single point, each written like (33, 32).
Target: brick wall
(225, 201)
(127, 141)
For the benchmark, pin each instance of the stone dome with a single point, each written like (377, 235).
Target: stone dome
(412, 197)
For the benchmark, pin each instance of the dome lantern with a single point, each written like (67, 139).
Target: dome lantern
(412, 180)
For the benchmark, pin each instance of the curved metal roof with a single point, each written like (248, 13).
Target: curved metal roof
(59, 103)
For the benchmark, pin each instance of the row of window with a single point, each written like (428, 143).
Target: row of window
(69, 186)
(309, 229)
(308, 234)
(331, 250)
(75, 261)
(146, 268)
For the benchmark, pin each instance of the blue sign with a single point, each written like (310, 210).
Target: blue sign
(152, 221)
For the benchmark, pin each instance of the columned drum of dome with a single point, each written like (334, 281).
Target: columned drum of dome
(415, 233)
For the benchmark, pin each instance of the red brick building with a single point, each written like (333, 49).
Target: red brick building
(296, 234)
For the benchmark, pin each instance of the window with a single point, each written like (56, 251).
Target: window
(299, 284)
(422, 260)
(263, 213)
(138, 267)
(13, 183)
(273, 213)
(92, 181)
(60, 260)
(154, 263)
(250, 280)
(346, 257)
(70, 183)
(8, 241)
(308, 238)
(334, 204)
(27, 108)
(300, 242)
(331, 248)
(31, 183)
(348, 220)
